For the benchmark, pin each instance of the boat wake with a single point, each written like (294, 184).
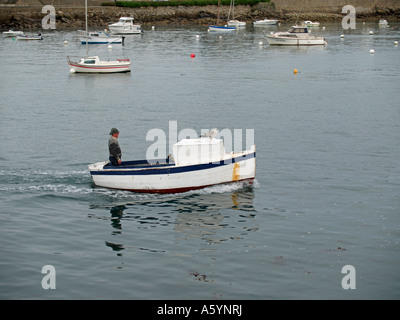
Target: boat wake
(78, 182)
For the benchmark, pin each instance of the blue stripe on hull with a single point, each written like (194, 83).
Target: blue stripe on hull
(168, 168)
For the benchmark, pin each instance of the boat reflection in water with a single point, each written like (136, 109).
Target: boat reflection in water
(195, 215)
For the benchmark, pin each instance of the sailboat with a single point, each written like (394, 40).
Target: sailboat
(220, 28)
(234, 22)
(93, 64)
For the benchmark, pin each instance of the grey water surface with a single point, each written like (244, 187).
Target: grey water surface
(327, 189)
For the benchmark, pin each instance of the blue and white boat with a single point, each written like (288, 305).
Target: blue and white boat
(195, 164)
(221, 29)
(217, 27)
(30, 37)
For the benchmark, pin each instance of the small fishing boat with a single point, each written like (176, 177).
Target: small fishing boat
(309, 23)
(125, 25)
(195, 164)
(295, 36)
(30, 37)
(12, 33)
(265, 22)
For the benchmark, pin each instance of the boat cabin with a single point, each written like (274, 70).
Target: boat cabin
(196, 151)
(90, 60)
(125, 20)
(298, 29)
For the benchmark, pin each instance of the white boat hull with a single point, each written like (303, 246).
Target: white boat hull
(117, 66)
(135, 29)
(175, 178)
(236, 24)
(221, 29)
(265, 22)
(100, 40)
(29, 37)
(287, 41)
(12, 33)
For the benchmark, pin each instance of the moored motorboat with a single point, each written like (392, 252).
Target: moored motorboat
(125, 25)
(12, 33)
(383, 23)
(30, 37)
(295, 36)
(195, 164)
(265, 22)
(309, 23)
(236, 23)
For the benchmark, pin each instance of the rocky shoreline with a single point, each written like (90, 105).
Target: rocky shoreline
(99, 17)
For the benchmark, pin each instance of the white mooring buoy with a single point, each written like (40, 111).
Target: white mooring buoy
(372, 51)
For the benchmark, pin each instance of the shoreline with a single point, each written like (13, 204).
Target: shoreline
(24, 17)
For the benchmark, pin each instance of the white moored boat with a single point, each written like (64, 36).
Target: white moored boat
(95, 65)
(99, 38)
(125, 25)
(196, 164)
(295, 36)
(30, 37)
(217, 27)
(12, 33)
(265, 22)
(309, 23)
(383, 23)
(234, 22)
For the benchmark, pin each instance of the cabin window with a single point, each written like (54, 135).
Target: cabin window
(90, 61)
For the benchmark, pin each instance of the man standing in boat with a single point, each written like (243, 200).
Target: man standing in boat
(113, 147)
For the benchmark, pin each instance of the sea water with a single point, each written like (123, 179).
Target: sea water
(327, 188)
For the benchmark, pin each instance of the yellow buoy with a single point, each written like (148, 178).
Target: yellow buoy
(295, 71)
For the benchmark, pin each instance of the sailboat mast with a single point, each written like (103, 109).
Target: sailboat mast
(87, 41)
(219, 2)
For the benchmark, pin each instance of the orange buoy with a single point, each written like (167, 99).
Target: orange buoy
(295, 71)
